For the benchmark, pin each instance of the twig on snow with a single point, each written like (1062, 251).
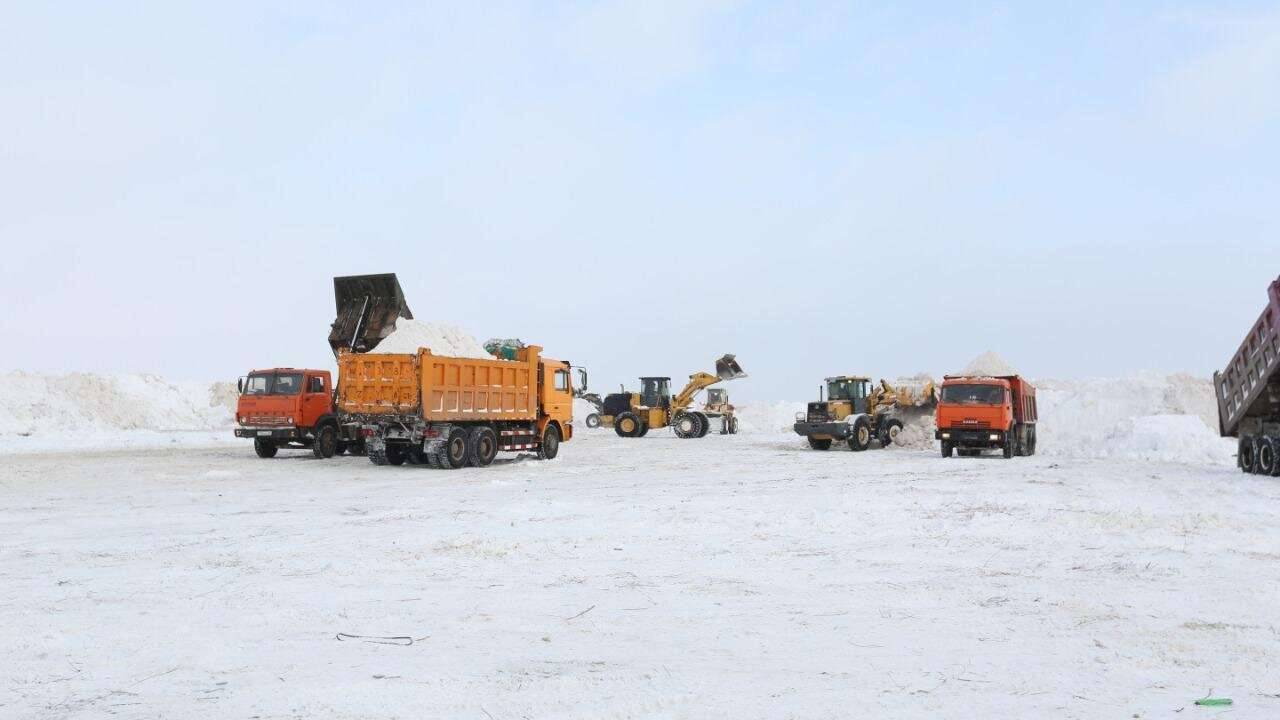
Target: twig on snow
(584, 612)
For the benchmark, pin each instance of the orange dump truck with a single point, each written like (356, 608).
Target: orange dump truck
(448, 412)
(985, 413)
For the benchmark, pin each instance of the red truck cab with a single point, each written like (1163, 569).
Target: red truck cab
(291, 407)
(983, 413)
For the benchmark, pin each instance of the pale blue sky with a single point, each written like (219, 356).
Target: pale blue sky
(640, 187)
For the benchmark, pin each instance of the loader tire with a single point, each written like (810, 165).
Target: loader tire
(860, 439)
(733, 426)
(550, 445)
(627, 425)
(947, 449)
(1244, 453)
(593, 420)
(889, 433)
(685, 425)
(704, 424)
(1266, 449)
(644, 429)
(265, 448)
(817, 444)
(482, 446)
(325, 445)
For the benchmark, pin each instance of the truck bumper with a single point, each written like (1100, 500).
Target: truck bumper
(821, 430)
(270, 433)
(969, 438)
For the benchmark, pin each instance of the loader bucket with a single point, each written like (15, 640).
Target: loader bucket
(367, 309)
(727, 368)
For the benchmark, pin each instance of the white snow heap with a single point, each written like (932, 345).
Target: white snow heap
(988, 364)
(439, 338)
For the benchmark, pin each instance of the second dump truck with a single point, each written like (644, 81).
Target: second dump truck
(448, 412)
(987, 413)
(1248, 393)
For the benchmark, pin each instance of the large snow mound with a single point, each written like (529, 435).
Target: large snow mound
(988, 364)
(80, 411)
(439, 338)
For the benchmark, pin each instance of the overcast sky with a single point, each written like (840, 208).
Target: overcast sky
(641, 187)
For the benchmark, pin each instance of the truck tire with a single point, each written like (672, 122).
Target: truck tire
(593, 420)
(482, 446)
(550, 445)
(265, 448)
(341, 449)
(817, 444)
(1244, 453)
(947, 449)
(1010, 443)
(627, 425)
(860, 438)
(1031, 440)
(685, 425)
(414, 455)
(326, 443)
(1266, 463)
(396, 453)
(889, 433)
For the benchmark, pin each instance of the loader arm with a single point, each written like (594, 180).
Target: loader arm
(697, 383)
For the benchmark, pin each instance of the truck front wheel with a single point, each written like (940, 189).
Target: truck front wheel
(550, 445)
(264, 448)
(326, 442)
(947, 449)
(1010, 443)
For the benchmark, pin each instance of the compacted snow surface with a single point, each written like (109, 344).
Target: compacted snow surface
(728, 577)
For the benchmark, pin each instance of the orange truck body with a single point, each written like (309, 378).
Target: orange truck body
(982, 413)
(290, 407)
(425, 408)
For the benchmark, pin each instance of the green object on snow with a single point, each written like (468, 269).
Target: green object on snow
(1214, 701)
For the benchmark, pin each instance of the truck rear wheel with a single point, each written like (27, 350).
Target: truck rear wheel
(1266, 451)
(550, 445)
(817, 444)
(265, 448)
(861, 438)
(395, 453)
(1244, 453)
(627, 425)
(325, 445)
(482, 446)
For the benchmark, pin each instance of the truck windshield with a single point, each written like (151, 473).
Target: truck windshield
(844, 389)
(273, 384)
(973, 394)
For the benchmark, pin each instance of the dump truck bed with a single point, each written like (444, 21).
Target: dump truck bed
(1249, 388)
(439, 388)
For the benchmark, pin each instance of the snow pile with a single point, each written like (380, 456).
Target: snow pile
(85, 410)
(768, 418)
(439, 338)
(918, 426)
(1147, 416)
(988, 364)
(581, 409)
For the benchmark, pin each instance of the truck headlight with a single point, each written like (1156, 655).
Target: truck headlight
(993, 437)
(946, 436)
(291, 422)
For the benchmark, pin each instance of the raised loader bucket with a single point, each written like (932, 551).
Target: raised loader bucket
(367, 309)
(727, 368)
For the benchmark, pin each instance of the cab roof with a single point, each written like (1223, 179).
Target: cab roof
(848, 377)
(654, 377)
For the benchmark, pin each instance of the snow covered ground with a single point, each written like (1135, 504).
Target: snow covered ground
(728, 577)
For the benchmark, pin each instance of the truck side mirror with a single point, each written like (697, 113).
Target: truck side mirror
(582, 378)
(240, 385)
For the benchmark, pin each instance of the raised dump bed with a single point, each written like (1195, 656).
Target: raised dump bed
(1248, 392)
(454, 411)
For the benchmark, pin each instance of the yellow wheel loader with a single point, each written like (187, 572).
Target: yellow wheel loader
(634, 414)
(857, 412)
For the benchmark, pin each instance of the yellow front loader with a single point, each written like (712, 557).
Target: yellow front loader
(634, 414)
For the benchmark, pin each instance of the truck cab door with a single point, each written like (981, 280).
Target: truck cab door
(315, 400)
(557, 393)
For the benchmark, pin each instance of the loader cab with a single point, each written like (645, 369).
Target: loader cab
(851, 389)
(717, 396)
(655, 392)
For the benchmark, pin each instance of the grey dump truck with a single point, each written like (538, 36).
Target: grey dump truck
(1248, 393)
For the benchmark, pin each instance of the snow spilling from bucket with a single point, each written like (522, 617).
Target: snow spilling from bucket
(439, 338)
